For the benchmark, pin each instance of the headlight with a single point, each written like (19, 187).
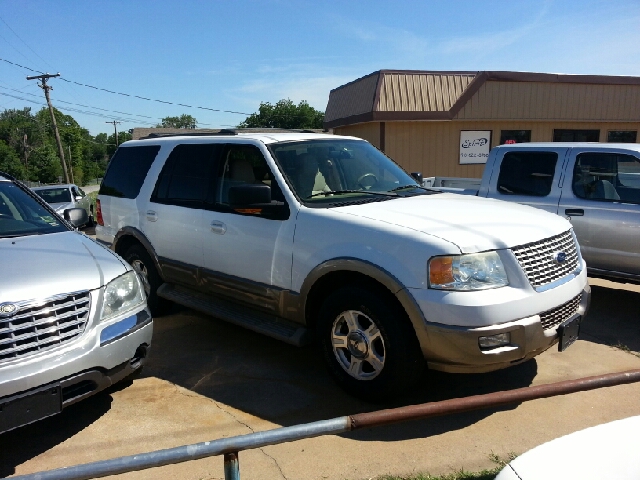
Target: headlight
(477, 271)
(121, 294)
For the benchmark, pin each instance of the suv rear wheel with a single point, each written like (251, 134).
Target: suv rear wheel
(141, 262)
(368, 344)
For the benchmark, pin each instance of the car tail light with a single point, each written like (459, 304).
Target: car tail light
(99, 214)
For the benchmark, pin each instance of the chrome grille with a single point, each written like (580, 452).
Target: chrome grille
(42, 325)
(554, 317)
(537, 259)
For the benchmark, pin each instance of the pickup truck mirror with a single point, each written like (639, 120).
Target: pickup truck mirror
(417, 176)
(255, 199)
(76, 216)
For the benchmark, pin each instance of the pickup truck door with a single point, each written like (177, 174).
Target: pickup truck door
(601, 198)
(528, 176)
(247, 256)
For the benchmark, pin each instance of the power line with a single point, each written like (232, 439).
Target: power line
(35, 53)
(129, 95)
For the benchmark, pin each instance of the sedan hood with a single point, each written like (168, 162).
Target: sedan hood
(473, 224)
(41, 266)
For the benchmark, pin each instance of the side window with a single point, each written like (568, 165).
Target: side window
(127, 170)
(243, 164)
(186, 178)
(527, 173)
(82, 194)
(607, 177)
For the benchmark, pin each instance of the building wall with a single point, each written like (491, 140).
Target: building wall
(553, 101)
(433, 147)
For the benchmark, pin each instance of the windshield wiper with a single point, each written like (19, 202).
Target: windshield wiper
(403, 187)
(339, 192)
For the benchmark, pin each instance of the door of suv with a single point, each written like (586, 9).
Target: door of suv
(247, 255)
(172, 220)
(602, 200)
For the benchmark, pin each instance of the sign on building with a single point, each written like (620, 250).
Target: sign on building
(474, 146)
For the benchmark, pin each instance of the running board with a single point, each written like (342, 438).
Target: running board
(270, 325)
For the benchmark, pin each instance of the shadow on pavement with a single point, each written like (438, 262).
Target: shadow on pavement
(288, 385)
(22, 444)
(614, 318)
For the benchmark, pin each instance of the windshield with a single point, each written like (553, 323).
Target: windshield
(327, 172)
(55, 195)
(22, 215)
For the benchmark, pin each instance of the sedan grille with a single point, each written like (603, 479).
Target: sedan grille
(554, 317)
(42, 325)
(539, 261)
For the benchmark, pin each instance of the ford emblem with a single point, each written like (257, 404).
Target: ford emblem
(559, 257)
(7, 309)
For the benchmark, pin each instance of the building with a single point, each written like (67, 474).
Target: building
(445, 123)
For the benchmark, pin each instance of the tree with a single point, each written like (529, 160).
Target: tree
(10, 162)
(183, 121)
(284, 114)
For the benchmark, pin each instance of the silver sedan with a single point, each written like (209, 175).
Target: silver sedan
(62, 197)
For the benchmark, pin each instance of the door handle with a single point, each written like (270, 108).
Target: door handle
(152, 216)
(218, 227)
(574, 212)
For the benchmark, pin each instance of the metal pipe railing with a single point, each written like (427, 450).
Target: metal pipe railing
(230, 447)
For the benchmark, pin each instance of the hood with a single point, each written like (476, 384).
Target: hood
(473, 224)
(40, 266)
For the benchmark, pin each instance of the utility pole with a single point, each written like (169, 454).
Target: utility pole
(115, 130)
(43, 85)
(70, 165)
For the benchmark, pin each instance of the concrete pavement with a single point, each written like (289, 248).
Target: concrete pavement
(207, 379)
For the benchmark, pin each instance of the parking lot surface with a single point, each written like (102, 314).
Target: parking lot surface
(206, 379)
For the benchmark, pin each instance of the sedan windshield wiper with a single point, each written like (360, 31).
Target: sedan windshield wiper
(339, 192)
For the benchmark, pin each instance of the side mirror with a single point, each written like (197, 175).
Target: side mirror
(249, 194)
(417, 176)
(78, 198)
(76, 216)
(255, 199)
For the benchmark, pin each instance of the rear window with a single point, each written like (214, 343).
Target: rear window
(527, 173)
(127, 170)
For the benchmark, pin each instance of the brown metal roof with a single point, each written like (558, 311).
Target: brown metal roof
(388, 95)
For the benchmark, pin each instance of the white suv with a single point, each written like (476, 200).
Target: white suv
(298, 235)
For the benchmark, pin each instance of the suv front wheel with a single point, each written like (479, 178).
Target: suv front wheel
(368, 344)
(141, 262)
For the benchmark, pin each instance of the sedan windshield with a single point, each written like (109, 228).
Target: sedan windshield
(55, 195)
(21, 215)
(330, 172)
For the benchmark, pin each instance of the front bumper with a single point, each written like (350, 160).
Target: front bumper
(455, 348)
(36, 387)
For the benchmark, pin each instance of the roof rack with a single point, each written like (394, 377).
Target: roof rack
(231, 131)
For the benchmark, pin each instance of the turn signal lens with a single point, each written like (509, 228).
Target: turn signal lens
(441, 271)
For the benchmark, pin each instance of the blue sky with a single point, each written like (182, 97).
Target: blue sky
(232, 55)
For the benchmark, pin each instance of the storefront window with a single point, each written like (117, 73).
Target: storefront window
(515, 136)
(576, 135)
(622, 136)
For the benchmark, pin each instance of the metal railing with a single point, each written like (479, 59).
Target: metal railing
(230, 447)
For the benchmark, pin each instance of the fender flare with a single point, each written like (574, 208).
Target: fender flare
(142, 239)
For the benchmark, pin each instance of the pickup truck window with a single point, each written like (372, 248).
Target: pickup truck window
(527, 173)
(607, 177)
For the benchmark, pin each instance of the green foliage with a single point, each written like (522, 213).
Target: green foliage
(284, 114)
(28, 149)
(10, 162)
(183, 121)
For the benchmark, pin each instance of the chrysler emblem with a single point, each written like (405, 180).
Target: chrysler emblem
(7, 309)
(559, 257)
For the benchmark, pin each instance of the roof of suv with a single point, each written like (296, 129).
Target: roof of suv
(265, 138)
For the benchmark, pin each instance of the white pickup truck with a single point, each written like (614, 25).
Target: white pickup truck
(594, 185)
(300, 235)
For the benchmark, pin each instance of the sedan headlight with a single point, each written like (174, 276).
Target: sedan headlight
(477, 271)
(122, 294)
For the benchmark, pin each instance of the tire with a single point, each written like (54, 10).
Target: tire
(368, 344)
(141, 262)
